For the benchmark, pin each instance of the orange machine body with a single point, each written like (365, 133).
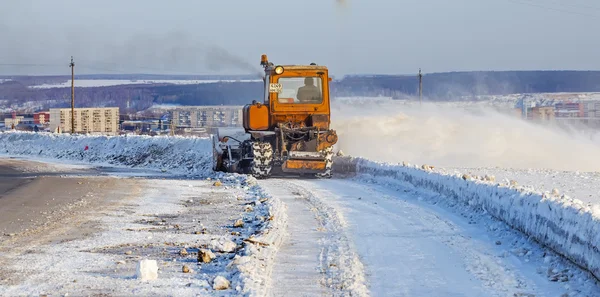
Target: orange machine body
(289, 129)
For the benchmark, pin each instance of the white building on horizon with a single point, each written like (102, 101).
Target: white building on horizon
(101, 120)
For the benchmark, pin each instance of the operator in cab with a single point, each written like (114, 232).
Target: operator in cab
(309, 93)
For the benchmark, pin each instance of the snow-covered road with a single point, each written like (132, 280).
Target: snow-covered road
(296, 269)
(404, 245)
(391, 230)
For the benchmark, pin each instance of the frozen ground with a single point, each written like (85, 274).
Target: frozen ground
(92, 245)
(360, 236)
(88, 83)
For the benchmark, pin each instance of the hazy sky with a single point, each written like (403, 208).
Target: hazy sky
(353, 36)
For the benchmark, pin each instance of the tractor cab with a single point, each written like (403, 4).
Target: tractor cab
(298, 94)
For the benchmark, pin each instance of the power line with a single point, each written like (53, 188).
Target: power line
(29, 65)
(554, 8)
(559, 3)
(109, 69)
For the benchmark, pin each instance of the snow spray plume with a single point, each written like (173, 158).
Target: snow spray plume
(448, 135)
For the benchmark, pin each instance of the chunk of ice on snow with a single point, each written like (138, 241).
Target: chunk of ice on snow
(147, 270)
(223, 245)
(220, 283)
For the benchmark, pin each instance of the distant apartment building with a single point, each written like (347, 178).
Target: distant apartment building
(41, 118)
(542, 113)
(103, 120)
(207, 116)
(14, 121)
(591, 109)
(569, 110)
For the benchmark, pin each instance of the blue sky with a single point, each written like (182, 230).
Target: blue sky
(356, 36)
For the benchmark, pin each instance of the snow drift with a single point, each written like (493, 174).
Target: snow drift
(180, 155)
(566, 225)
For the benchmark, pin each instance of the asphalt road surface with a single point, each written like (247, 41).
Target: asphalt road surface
(32, 193)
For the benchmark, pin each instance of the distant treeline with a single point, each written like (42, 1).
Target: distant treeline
(436, 86)
(137, 97)
(452, 85)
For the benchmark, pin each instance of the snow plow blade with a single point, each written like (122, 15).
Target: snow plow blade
(303, 166)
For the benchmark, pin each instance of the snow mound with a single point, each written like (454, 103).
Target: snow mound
(182, 155)
(567, 226)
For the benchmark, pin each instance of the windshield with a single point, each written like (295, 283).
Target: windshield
(306, 90)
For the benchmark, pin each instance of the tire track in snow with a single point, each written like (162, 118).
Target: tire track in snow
(428, 256)
(316, 258)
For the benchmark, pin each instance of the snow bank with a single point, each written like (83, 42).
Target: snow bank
(566, 225)
(181, 155)
(255, 261)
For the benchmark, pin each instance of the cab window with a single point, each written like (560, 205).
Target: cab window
(300, 90)
(266, 94)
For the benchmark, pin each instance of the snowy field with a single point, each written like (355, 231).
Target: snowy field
(25, 107)
(89, 83)
(539, 98)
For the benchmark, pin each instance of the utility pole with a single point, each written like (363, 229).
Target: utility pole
(172, 129)
(72, 65)
(420, 87)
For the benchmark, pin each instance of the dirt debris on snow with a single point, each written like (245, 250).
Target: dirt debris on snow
(183, 252)
(206, 256)
(158, 223)
(238, 224)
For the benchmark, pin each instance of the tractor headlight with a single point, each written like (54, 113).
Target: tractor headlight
(279, 70)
